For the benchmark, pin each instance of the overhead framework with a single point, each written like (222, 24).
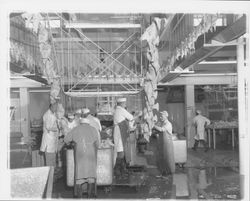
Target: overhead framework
(89, 57)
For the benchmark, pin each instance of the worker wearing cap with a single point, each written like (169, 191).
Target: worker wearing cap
(120, 135)
(74, 119)
(86, 139)
(200, 122)
(71, 122)
(49, 142)
(93, 121)
(167, 125)
(166, 129)
(77, 117)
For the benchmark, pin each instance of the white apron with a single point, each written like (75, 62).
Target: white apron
(117, 141)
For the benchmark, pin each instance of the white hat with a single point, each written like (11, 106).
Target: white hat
(84, 120)
(71, 116)
(198, 111)
(78, 111)
(120, 100)
(85, 110)
(165, 113)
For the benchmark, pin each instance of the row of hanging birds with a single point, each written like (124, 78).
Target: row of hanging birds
(187, 46)
(45, 46)
(152, 36)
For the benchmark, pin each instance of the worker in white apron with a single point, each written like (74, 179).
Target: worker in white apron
(93, 121)
(49, 142)
(200, 122)
(120, 134)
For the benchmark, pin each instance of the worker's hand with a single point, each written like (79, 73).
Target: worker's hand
(61, 137)
(53, 130)
(140, 113)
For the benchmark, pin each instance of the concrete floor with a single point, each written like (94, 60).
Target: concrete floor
(210, 175)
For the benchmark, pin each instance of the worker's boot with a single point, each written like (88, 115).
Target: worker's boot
(123, 168)
(79, 190)
(84, 188)
(205, 145)
(195, 145)
(90, 190)
(117, 171)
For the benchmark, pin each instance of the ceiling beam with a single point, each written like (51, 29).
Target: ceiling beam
(233, 31)
(101, 93)
(225, 53)
(203, 79)
(102, 25)
(105, 80)
(18, 82)
(97, 39)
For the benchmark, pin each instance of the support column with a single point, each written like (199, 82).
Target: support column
(189, 114)
(242, 117)
(24, 110)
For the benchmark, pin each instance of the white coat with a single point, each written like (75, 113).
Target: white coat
(120, 115)
(199, 122)
(95, 122)
(72, 124)
(167, 127)
(50, 133)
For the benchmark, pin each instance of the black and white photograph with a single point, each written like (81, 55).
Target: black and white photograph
(125, 100)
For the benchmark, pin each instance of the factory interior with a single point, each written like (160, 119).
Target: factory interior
(172, 64)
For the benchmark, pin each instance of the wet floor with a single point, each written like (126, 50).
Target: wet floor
(210, 176)
(188, 183)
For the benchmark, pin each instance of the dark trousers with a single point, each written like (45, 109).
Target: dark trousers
(50, 159)
(120, 165)
(196, 143)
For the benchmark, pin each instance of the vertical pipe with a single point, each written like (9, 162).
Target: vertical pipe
(243, 137)
(141, 47)
(189, 111)
(25, 117)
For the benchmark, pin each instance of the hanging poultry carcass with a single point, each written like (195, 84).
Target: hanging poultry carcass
(156, 106)
(155, 94)
(43, 35)
(149, 110)
(34, 19)
(146, 131)
(149, 55)
(60, 111)
(151, 101)
(150, 124)
(145, 113)
(45, 50)
(151, 73)
(49, 71)
(151, 35)
(155, 54)
(154, 84)
(148, 88)
(55, 90)
(155, 118)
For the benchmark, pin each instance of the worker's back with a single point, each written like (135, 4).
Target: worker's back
(86, 139)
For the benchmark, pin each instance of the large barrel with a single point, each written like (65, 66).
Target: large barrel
(70, 167)
(180, 151)
(104, 166)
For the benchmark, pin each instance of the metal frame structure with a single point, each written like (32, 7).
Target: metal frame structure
(129, 82)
